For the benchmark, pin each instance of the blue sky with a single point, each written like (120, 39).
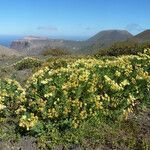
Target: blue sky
(58, 18)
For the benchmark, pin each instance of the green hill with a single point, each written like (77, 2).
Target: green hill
(143, 36)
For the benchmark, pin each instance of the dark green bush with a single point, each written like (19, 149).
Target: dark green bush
(123, 48)
(27, 63)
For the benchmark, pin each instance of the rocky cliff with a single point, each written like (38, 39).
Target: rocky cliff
(36, 46)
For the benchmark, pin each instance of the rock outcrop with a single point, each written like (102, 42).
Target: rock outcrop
(36, 46)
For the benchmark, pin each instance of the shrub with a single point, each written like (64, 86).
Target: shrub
(123, 48)
(67, 96)
(12, 98)
(27, 63)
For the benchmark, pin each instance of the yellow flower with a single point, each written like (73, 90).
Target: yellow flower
(66, 111)
(20, 110)
(83, 114)
(99, 105)
(124, 83)
(48, 95)
(2, 106)
(117, 73)
(28, 123)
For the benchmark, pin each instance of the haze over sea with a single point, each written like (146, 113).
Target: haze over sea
(6, 40)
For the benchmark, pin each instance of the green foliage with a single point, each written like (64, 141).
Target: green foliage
(129, 47)
(77, 101)
(12, 98)
(27, 63)
(77, 91)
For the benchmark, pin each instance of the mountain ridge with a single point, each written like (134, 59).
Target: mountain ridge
(35, 45)
(111, 35)
(143, 36)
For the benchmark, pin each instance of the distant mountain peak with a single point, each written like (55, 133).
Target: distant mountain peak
(107, 36)
(143, 36)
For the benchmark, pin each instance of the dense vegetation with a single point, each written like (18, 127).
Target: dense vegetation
(27, 63)
(78, 101)
(129, 47)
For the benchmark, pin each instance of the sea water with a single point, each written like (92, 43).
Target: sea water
(5, 40)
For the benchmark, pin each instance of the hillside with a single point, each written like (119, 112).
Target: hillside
(6, 52)
(36, 46)
(89, 102)
(104, 39)
(143, 36)
(110, 36)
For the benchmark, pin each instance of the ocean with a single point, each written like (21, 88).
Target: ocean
(5, 40)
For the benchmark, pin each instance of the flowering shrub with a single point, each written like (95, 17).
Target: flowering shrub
(12, 98)
(70, 94)
(66, 93)
(27, 63)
